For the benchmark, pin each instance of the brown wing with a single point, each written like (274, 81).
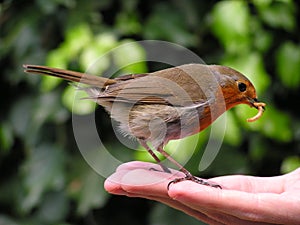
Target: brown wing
(173, 86)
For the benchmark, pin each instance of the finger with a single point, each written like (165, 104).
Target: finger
(224, 218)
(131, 178)
(251, 184)
(292, 182)
(211, 214)
(153, 185)
(113, 183)
(246, 206)
(148, 174)
(235, 182)
(126, 183)
(141, 181)
(140, 191)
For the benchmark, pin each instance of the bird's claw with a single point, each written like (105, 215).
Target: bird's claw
(194, 179)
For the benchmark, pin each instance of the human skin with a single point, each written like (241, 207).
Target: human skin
(242, 199)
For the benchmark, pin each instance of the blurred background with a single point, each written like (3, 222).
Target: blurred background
(44, 178)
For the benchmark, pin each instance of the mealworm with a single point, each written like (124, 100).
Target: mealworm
(260, 106)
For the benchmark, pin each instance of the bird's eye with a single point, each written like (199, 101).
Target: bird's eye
(242, 87)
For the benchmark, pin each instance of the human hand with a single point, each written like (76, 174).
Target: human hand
(243, 199)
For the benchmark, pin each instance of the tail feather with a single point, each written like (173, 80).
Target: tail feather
(69, 75)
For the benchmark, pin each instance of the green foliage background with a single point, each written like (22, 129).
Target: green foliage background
(45, 180)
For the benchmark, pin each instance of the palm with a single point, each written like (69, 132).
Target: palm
(243, 199)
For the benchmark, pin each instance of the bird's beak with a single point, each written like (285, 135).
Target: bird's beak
(255, 103)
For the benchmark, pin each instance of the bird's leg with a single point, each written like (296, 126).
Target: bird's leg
(144, 144)
(188, 175)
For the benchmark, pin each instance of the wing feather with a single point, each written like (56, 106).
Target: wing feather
(171, 87)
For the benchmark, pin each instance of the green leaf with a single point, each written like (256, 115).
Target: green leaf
(141, 154)
(243, 112)
(29, 114)
(274, 123)
(228, 159)
(230, 23)
(94, 59)
(288, 64)
(95, 56)
(252, 66)
(53, 209)
(290, 163)
(258, 147)
(57, 58)
(262, 38)
(127, 23)
(5, 220)
(6, 137)
(162, 214)
(86, 186)
(190, 144)
(49, 83)
(43, 170)
(74, 101)
(92, 193)
(77, 37)
(233, 133)
(277, 13)
(133, 62)
(20, 121)
(173, 29)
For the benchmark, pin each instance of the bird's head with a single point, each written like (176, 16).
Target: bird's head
(236, 88)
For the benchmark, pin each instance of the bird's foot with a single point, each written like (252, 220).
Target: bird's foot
(164, 169)
(194, 179)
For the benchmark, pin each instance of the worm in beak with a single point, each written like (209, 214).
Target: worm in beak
(260, 106)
